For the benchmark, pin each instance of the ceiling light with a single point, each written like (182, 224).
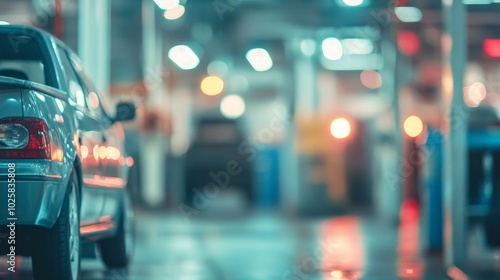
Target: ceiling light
(259, 59)
(174, 13)
(184, 57)
(353, 3)
(408, 14)
(332, 48)
(167, 4)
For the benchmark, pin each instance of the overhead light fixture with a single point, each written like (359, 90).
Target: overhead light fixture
(357, 46)
(184, 57)
(353, 3)
(167, 4)
(332, 48)
(259, 59)
(174, 13)
(232, 106)
(408, 14)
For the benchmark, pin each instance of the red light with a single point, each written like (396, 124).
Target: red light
(401, 3)
(38, 146)
(491, 48)
(408, 43)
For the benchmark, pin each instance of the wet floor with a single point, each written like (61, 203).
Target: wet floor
(269, 246)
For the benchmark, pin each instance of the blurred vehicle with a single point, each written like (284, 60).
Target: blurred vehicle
(63, 156)
(216, 162)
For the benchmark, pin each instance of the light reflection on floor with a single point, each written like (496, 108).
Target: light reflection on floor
(269, 246)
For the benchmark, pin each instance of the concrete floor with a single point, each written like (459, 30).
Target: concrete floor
(269, 246)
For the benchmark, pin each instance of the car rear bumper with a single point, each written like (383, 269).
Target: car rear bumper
(39, 192)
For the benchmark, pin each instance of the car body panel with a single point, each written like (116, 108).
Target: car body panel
(81, 138)
(10, 103)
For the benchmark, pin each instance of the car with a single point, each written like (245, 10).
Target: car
(218, 157)
(63, 166)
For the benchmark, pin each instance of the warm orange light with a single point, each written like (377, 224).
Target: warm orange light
(85, 151)
(337, 274)
(102, 152)
(112, 153)
(95, 152)
(212, 85)
(130, 161)
(340, 128)
(58, 155)
(413, 126)
(93, 100)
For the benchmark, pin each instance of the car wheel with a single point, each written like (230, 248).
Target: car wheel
(57, 251)
(117, 251)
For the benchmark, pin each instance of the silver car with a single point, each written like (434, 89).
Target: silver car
(63, 167)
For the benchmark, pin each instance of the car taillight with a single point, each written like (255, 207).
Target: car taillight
(24, 138)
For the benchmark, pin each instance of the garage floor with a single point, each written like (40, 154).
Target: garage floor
(269, 246)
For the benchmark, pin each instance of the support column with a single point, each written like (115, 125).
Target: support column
(388, 191)
(153, 145)
(302, 97)
(94, 37)
(455, 130)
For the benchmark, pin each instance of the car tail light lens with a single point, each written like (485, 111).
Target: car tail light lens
(24, 138)
(13, 136)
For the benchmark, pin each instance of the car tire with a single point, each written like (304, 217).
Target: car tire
(117, 251)
(56, 254)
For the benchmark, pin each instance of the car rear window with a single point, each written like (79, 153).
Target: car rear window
(21, 57)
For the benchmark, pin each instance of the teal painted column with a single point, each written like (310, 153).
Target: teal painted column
(454, 46)
(94, 40)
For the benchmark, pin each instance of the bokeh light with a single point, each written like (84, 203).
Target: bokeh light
(167, 4)
(212, 85)
(184, 57)
(218, 68)
(259, 59)
(340, 128)
(232, 106)
(371, 79)
(413, 126)
(174, 13)
(353, 3)
(308, 47)
(475, 94)
(332, 48)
